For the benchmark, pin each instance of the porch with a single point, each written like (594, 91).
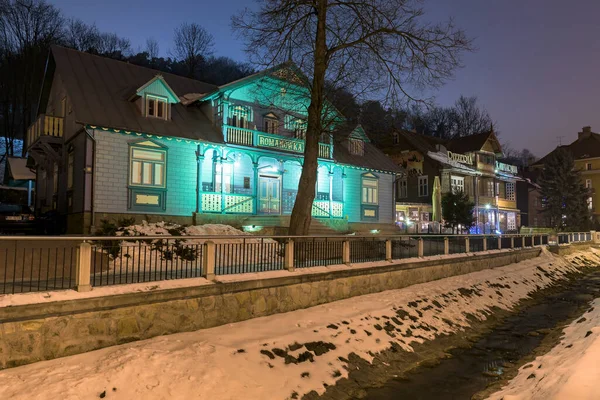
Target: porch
(237, 182)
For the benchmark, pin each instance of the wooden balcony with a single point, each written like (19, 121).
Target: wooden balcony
(45, 125)
(253, 138)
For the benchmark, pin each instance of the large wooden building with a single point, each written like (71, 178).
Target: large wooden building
(113, 139)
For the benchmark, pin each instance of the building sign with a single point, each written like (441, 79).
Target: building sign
(511, 169)
(297, 146)
(461, 158)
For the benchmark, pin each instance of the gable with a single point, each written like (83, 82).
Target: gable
(359, 133)
(158, 87)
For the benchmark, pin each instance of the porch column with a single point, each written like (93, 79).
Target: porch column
(222, 186)
(225, 119)
(255, 189)
(330, 193)
(199, 161)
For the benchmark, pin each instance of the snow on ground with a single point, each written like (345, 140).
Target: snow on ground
(182, 254)
(570, 371)
(284, 355)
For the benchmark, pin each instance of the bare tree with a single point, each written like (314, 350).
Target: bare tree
(193, 44)
(152, 48)
(81, 36)
(383, 45)
(469, 118)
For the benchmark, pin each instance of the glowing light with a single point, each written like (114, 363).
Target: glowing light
(374, 230)
(252, 228)
(487, 206)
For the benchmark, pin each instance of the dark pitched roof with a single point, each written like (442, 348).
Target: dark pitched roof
(100, 89)
(586, 146)
(467, 144)
(373, 158)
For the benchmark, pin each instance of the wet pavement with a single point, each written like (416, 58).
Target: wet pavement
(471, 370)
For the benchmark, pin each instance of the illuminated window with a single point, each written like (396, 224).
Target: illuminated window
(356, 147)
(588, 183)
(70, 170)
(510, 191)
(370, 191)
(156, 107)
(148, 167)
(423, 186)
(590, 203)
(457, 184)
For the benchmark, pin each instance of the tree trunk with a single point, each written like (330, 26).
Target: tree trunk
(301, 213)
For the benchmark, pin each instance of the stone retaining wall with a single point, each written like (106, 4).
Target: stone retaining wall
(37, 332)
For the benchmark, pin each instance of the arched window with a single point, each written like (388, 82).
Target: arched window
(240, 116)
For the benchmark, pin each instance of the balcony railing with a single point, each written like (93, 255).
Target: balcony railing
(45, 125)
(251, 137)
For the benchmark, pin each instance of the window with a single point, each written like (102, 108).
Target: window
(511, 221)
(156, 107)
(223, 173)
(413, 214)
(489, 188)
(370, 191)
(588, 166)
(271, 126)
(486, 159)
(425, 216)
(70, 170)
(423, 186)
(240, 116)
(510, 191)
(400, 216)
(402, 188)
(590, 203)
(55, 178)
(147, 167)
(296, 125)
(457, 183)
(588, 183)
(356, 147)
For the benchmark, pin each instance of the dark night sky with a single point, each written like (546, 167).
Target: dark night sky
(534, 70)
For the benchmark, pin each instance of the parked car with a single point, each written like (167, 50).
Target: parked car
(16, 218)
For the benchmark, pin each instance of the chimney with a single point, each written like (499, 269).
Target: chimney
(586, 131)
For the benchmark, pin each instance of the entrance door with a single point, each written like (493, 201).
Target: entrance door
(269, 195)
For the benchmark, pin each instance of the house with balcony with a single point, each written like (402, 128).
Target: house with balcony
(586, 154)
(115, 140)
(436, 166)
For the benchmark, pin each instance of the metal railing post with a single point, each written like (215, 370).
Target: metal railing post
(208, 260)
(289, 255)
(467, 245)
(499, 243)
(446, 246)
(84, 261)
(420, 247)
(388, 249)
(484, 243)
(512, 242)
(346, 252)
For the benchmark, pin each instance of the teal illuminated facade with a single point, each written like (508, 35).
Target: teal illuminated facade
(175, 149)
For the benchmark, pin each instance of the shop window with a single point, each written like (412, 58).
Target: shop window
(413, 214)
(400, 216)
(457, 184)
(423, 186)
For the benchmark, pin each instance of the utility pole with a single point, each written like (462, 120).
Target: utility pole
(559, 138)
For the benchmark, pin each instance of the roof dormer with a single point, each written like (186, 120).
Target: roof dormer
(156, 97)
(356, 141)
